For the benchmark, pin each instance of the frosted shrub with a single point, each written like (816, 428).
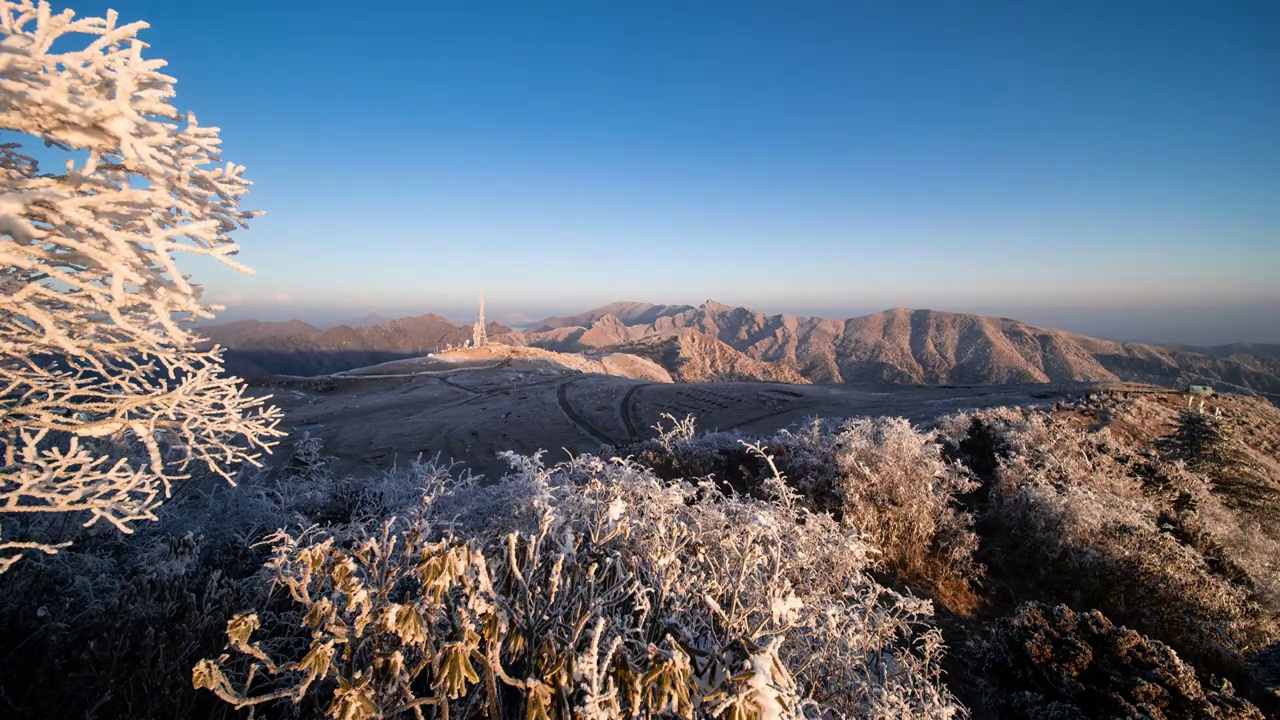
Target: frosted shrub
(589, 589)
(1090, 526)
(1108, 554)
(111, 626)
(106, 627)
(895, 486)
(1233, 545)
(307, 462)
(106, 402)
(1050, 662)
(881, 477)
(680, 432)
(1236, 451)
(679, 452)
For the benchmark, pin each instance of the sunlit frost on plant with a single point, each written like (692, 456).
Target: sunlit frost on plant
(106, 401)
(590, 588)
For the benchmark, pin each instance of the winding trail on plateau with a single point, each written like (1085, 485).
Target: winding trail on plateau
(582, 423)
(444, 380)
(627, 408)
(474, 395)
(346, 374)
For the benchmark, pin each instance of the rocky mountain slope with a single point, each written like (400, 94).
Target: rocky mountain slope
(600, 332)
(691, 356)
(922, 346)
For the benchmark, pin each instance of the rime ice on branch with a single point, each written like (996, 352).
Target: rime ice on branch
(104, 398)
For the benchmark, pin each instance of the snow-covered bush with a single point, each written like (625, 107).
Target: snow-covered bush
(111, 626)
(1234, 448)
(896, 487)
(1234, 546)
(588, 589)
(881, 477)
(1081, 520)
(106, 627)
(1066, 514)
(106, 401)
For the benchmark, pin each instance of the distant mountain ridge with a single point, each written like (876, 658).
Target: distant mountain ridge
(720, 342)
(1258, 349)
(625, 311)
(364, 321)
(255, 348)
(903, 345)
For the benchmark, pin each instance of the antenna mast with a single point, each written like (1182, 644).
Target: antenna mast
(479, 336)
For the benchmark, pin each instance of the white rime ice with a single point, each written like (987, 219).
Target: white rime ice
(104, 398)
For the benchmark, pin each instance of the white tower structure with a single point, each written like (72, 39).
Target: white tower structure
(479, 337)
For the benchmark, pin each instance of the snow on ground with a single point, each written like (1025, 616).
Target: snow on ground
(516, 358)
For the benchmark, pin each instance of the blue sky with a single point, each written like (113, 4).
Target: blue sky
(797, 156)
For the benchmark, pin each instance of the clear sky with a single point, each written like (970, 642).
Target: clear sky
(1017, 157)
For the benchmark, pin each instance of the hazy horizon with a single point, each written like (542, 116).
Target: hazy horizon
(1106, 168)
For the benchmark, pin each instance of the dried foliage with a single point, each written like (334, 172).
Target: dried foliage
(1050, 663)
(103, 628)
(104, 400)
(590, 589)
(881, 477)
(1080, 516)
(111, 626)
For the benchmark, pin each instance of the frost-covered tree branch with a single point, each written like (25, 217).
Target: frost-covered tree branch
(104, 399)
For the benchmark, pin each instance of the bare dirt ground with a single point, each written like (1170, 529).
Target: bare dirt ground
(469, 412)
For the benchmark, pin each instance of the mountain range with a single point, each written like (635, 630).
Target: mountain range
(721, 342)
(255, 348)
